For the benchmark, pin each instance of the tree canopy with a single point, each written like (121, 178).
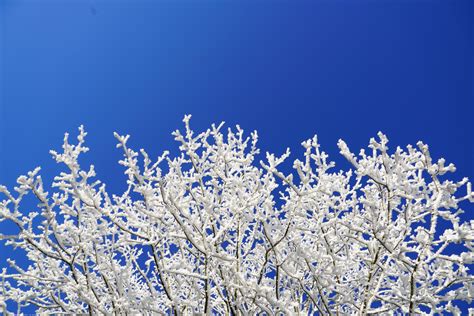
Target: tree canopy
(214, 231)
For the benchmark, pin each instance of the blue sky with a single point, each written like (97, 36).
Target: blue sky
(340, 69)
(290, 69)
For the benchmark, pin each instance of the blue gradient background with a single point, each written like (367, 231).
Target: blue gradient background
(290, 69)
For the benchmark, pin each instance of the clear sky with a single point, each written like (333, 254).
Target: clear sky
(288, 68)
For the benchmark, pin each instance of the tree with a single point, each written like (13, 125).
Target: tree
(212, 231)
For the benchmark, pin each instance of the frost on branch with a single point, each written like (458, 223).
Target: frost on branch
(214, 231)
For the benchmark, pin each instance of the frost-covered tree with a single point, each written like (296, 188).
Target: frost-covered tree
(213, 231)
